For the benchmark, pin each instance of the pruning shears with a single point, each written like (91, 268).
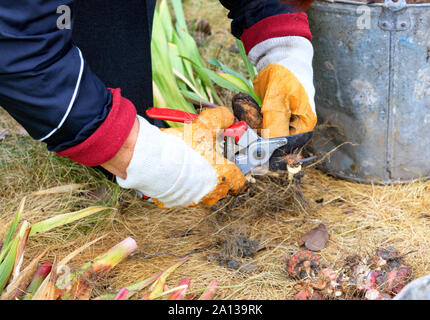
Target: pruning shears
(241, 144)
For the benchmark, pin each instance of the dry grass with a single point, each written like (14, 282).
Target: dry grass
(359, 218)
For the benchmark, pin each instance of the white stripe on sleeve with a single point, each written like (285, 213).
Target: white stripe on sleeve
(72, 101)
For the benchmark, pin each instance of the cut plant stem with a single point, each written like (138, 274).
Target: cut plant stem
(135, 288)
(37, 280)
(6, 267)
(166, 292)
(23, 237)
(210, 292)
(48, 289)
(188, 83)
(196, 100)
(63, 219)
(122, 295)
(157, 288)
(12, 228)
(180, 294)
(16, 288)
(92, 271)
(251, 69)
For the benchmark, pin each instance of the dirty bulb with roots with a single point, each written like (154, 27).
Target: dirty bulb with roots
(376, 277)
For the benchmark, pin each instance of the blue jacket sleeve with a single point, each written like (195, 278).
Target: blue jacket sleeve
(45, 83)
(246, 13)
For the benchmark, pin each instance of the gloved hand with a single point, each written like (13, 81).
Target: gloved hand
(179, 167)
(285, 85)
(277, 39)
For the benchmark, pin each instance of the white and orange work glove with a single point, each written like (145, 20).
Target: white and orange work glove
(285, 85)
(178, 173)
(277, 39)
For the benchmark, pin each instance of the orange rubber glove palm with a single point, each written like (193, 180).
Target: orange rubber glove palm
(280, 48)
(286, 105)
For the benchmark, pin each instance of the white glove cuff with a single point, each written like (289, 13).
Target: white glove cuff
(164, 167)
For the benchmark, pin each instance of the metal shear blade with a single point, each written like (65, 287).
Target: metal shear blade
(252, 151)
(258, 153)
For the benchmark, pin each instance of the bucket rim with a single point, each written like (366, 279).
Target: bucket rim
(359, 3)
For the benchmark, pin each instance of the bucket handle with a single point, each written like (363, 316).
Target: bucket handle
(395, 5)
(394, 16)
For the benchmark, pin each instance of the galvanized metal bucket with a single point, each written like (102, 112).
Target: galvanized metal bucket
(372, 77)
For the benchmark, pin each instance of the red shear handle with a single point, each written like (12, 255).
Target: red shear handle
(171, 115)
(236, 130)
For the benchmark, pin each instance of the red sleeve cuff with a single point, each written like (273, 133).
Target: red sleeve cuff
(282, 25)
(106, 141)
